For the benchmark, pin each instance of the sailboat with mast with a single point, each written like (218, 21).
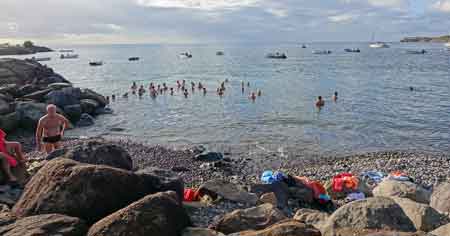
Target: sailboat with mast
(377, 44)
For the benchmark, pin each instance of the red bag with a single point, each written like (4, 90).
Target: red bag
(190, 195)
(346, 180)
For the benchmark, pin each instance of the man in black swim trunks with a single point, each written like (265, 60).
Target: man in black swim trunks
(50, 130)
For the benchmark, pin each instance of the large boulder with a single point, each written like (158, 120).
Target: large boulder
(227, 191)
(442, 231)
(7, 218)
(312, 217)
(38, 95)
(29, 113)
(89, 94)
(157, 214)
(89, 192)
(288, 228)
(255, 218)
(403, 189)
(73, 112)
(57, 86)
(6, 97)
(49, 224)
(368, 214)
(5, 107)
(280, 189)
(424, 217)
(64, 97)
(191, 231)
(9, 122)
(440, 199)
(22, 72)
(97, 152)
(89, 105)
(165, 180)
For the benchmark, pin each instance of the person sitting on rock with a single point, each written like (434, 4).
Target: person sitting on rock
(50, 130)
(8, 161)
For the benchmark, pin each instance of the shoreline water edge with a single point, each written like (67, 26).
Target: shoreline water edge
(116, 186)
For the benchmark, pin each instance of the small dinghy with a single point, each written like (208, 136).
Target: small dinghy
(423, 51)
(321, 52)
(352, 50)
(95, 63)
(276, 55)
(41, 58)
(219, 53)
(133, 59)
(185, 55)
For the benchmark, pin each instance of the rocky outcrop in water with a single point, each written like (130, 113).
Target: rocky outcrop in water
(26, 87)
(6, 50)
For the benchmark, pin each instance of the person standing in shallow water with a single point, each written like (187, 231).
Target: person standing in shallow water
(50, 130)
(320, 102)
(335, 96)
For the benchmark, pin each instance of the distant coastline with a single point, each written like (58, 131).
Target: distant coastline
(418, 39)
(25, 49)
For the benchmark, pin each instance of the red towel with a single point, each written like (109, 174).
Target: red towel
(11, 160)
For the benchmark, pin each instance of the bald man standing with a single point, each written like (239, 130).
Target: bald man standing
(50, 130)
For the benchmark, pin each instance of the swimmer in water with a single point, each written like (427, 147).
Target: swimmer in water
(252, 96)
(204, 91)
(125, 95)
(222, 86)
(178, 84)
(226, 80)
(113, 97)
(335, 96)
(248, 84)
(259, 92)
(107, 99)
(165, 86)
(200, 85)
(220, 92)
(171, 91)
(183, 83)
(411, 88)
(320, 102)
(134, 86)
(186, 93)
(141, 90)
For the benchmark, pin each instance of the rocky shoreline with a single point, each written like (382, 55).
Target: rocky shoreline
(239, 174)
(439, 39)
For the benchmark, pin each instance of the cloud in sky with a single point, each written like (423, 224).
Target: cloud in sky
(191, 21)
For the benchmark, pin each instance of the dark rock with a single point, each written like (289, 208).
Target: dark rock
(12, 89)
(89, 94)
(440, 199)
(89, 106)
(100, 153)
(73, 112)
(27, 89)
(29, 113)
(50, 224)
(209, 157)
(9, 122)
(157, 214)
(89, 192)
(6, 97)
(227, 191)
(311, 217)
(164, 180)
(85, 120)
(255, 218)
(280, 189)
(64, 97)
(179, 169)
(5, 107)
(57, 86)
(38, 95)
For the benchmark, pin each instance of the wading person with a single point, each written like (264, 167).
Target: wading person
(50, 130)
(10, 157)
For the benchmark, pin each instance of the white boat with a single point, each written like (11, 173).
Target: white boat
(447, 44)
(69, 56)
(379, 45)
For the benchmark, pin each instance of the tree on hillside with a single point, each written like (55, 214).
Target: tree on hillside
(28, 44)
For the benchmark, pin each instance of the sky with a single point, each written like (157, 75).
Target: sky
(219, 21)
